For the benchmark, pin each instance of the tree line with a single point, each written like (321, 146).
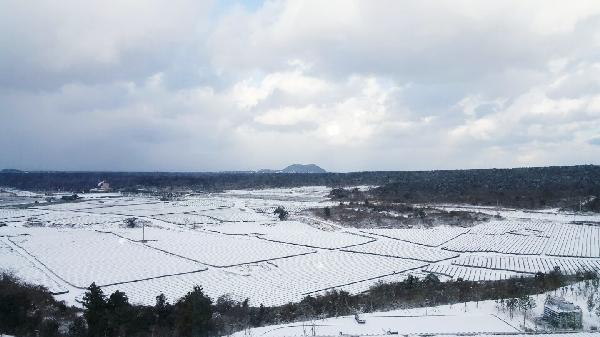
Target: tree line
(27, 310)
(535, 187)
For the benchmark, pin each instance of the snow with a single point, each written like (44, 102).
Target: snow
(12, 261)
(81, 257)
(212, 249)
(73, 219)
(186, 219)
(485, 318)
(530, 264)
(424, 236)
(16, 214)
(232, 243)
(551, 215)
(470, 274)
(381, 323)
(524, 237)
(326, 270)
(293, 232)
(274, 282)
(401, 249)
(503, 243)
(237, 215)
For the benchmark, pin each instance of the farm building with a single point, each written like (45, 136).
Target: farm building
(562, 314)
(103, 186)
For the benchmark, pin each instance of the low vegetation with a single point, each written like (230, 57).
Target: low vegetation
(26, 310)
(358, 209)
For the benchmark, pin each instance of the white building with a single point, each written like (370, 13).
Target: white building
(103, 186)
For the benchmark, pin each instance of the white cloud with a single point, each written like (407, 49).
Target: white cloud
(349, 112)
(248, 92)
(347, 84)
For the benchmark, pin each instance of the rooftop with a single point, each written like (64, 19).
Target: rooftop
(559, 304)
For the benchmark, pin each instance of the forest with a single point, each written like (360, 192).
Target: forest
(568, 187)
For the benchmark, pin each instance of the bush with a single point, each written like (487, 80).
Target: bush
(281, 212)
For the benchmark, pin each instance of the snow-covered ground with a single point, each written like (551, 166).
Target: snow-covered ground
(232, 243)
(472, 318)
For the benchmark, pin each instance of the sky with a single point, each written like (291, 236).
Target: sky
(187, 85)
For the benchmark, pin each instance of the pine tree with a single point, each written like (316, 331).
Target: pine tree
(162, 310)
(118, 313)
(78, 328)
(193, 314)
(94, 303)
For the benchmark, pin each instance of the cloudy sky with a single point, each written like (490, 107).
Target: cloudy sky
(349, 85)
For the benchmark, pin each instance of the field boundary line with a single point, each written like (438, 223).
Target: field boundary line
(416, 243)
(400, 257)
(512, 326)
(359, 281)
(45, 266)
(153, 278)
(204, 263)
(50, 277)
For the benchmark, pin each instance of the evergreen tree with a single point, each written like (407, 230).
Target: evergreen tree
(163, 311)
(281, 213)
(49, 328)
(118, 313)
(78, 328)
(193, 314)
(94, 303)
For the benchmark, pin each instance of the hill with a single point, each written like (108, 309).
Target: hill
(296, 168)
(299, 168)
(10, 171)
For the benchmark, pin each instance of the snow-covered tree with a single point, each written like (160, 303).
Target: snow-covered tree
(591, 303)
(511, 305)
(525, 304)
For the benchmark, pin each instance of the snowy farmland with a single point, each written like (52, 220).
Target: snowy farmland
(232, 243)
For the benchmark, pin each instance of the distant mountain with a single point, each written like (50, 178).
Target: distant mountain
(10, 171)
(296, 168)
(299, 168)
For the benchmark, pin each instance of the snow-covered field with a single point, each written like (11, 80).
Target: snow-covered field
(403, 250)
(213, 249)
(80, 257)
(232, 243)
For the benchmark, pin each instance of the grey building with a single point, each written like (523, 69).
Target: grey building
(562, 314)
